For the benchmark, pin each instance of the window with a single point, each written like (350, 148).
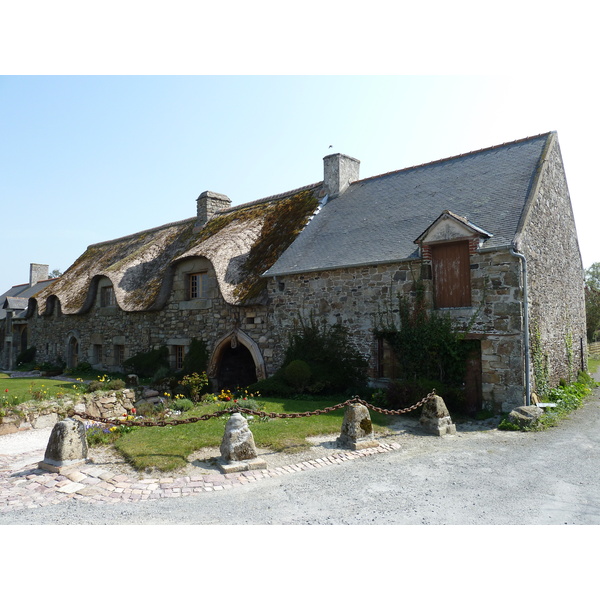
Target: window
(198, 285)
(119, 355)
(97, 353)
(178, 354)
(107, 296)
(451, 274)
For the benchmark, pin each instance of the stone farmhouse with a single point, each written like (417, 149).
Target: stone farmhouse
(13, 311)
(489, 235)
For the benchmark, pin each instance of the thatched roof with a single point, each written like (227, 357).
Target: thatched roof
(242, 243)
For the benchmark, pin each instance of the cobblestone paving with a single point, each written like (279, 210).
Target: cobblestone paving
(30, 487)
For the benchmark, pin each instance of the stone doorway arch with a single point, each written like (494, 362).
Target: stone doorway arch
(235, 362)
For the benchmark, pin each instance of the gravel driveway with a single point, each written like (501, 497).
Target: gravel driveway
(477, 477)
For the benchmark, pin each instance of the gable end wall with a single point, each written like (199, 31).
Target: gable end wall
(555, 275)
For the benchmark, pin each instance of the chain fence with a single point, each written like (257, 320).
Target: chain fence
(249, 411)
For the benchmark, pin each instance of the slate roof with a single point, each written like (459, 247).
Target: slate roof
(24, 292)
(377, 220)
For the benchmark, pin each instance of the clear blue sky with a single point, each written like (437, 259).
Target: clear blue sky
(87, 158)
(91, 158)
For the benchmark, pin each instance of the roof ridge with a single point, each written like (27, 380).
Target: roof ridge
(190, 219)
(150, 230)
(271, 198)
(449, 158)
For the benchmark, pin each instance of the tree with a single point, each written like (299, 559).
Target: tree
(55, 273)
(592, 300)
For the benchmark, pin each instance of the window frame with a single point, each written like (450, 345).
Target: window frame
(119, 355)
(97, 353)
(197, 287)
(107, 296)
(178, 357)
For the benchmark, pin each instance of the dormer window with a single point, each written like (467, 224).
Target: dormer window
(198, 285)
(107, 296)
(448, 243)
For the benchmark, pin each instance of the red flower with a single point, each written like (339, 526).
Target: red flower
(235, 399)
(133, 411)
(6, 391)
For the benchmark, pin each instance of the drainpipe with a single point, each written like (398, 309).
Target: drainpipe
(525, 326)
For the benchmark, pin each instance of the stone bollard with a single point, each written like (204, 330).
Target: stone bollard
(435, 417)
(238, 452)
(67, 446)
(357, 429)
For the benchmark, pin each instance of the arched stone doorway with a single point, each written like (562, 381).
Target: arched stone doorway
(236, 368)
(235, 362)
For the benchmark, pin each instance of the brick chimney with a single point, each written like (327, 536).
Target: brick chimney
(37, 273)
(340, 172)
(210, 203)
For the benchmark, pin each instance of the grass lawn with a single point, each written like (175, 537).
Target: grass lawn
(15, 390)
(167, 448)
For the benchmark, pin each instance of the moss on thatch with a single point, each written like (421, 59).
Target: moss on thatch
(140, 264)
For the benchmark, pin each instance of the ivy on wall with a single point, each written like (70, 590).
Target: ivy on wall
(427, 344)
(539, 359)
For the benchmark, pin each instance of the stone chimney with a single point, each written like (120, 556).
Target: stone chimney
(340, 172)
(210, 203)
(37, 273)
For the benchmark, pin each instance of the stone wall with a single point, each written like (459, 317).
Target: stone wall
(555, 274)
(359, 298)
(356, 297)
(140, 332)
(105, 334)
(38, 415)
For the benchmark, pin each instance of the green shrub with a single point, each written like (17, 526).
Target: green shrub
(196, 359)
(149, 409)
(587, 380)
(297, 374)
(274, 387)
(249, 403)
(95, 386)
(105, 383)
(182, 404)
(336, 365)
(27, 356)
(427, 344)
(506, 425)
(116, 384)
(146, 364)
(161, 375)
(195, 384)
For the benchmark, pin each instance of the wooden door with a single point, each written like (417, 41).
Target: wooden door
(451, 274)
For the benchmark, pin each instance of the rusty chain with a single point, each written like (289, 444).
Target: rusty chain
(258, 413)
